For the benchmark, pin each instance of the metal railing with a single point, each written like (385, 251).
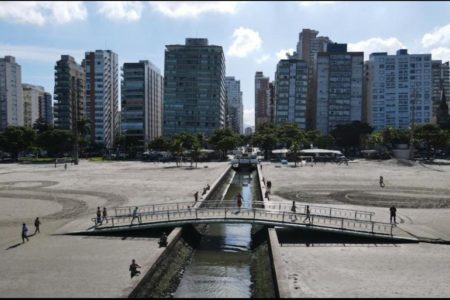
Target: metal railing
(251, 215)
(276, 206)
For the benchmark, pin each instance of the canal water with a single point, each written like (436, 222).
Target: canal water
(220, 266)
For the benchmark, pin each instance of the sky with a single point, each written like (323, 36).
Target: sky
(254, 35)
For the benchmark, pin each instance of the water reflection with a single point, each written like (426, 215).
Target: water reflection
(220, 266)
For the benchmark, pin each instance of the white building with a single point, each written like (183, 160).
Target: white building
(339, 87)
(11, 98)
(399, 89)
(32, 98)
(291, 91)
(235, 107)
(102, 95)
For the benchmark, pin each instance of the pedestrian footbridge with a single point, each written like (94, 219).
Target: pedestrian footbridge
(272, 214)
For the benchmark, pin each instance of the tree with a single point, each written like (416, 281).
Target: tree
(159, 144)
(266, 138)
(290, 133)
(224, 140)
(56, 142)
(40, 125)
(432, 135)
(16, 139)
(295, 148)
(352, 134)
(176, 147)
(196, 152)
(325, 141)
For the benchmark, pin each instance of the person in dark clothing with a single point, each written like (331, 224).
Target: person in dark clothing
(308, 214)
(393, 211)
(24, 233)
(196, 196)
(381, 181)
(294, 210)
(239, 201)
(99, 216)
(37, 223)
(104, 215)
(163, 240)
(134, 268)
(269, 184)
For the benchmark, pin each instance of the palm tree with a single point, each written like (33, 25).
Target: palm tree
(295, 148)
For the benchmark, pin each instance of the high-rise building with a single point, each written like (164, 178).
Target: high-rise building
(70, 93)
(102, 95)
(262, 99)
(249, 130)
(142, 94)
(194, 88)
(441, 80)
(308, 45)
(291, 90)
(399, 89)
(32, 97)
(46, 108)
(272, 102)
(339, 89)
(11, 99)
(234, 103)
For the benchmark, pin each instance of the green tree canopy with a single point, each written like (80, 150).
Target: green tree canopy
(56, 141)
(16, 139)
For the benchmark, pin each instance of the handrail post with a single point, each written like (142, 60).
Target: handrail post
(196, 217)
(355, 213)
(283, 217)
(373, 223)
(392, 227)
(153, 208)
(168, 216)
(330, 211)
(177, 207)
(112, 220)
(226, 212)
(342, 223)
(370, 216)
(254, 214)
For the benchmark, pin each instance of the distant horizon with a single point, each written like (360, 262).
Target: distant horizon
(254, 35)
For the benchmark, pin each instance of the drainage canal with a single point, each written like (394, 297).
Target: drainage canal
(223, 263)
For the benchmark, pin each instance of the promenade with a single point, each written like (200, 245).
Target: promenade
(53, 265)
(327, 268)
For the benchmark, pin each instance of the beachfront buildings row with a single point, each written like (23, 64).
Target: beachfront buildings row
(322, 85)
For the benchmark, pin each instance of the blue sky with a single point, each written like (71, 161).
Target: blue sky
(254, 35)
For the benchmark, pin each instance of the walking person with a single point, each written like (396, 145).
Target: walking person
(104, 215)
(239, 201)
(196, 196)
(37, 223)
(24, 233)
(99, 216)
(135, 216)
(381, 181)
(393, 212)
(294, 210)
(308, 214)
(134, 268)
(65, 166)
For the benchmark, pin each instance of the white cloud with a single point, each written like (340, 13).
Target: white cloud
(262, 59)
(441, 53)
(245, 41)
(35, 53)
(40, 13)
(249, 116)
(121, 10)
(314, 3)
(282, 53)
(390, 45)
(192, 9)
(440, 36)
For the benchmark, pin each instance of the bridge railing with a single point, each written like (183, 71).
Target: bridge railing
(254, 214)
(278, 206)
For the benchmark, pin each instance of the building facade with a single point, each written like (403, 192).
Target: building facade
(32, 98)
(11, 98)
(291, 91)
(142, 95)
(46, 108)
(339, 87)
(234, 103)
(262, 99)
(194, 88)
(399, 89)
(102, 95)
(441, 80)
(70, 93)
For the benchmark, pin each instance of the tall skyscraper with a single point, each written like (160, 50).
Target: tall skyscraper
(441, 80)
(399, 89)
(339, 78)
(70, 93)
(234, 102)
(291, 90)
(194, 88)
(46, 108)
(102, 95)
(11, 98)
(32, 97)
(262, 99)
(142, 94)
(309, 44)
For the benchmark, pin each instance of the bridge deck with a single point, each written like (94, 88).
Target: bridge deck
(179, 217)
